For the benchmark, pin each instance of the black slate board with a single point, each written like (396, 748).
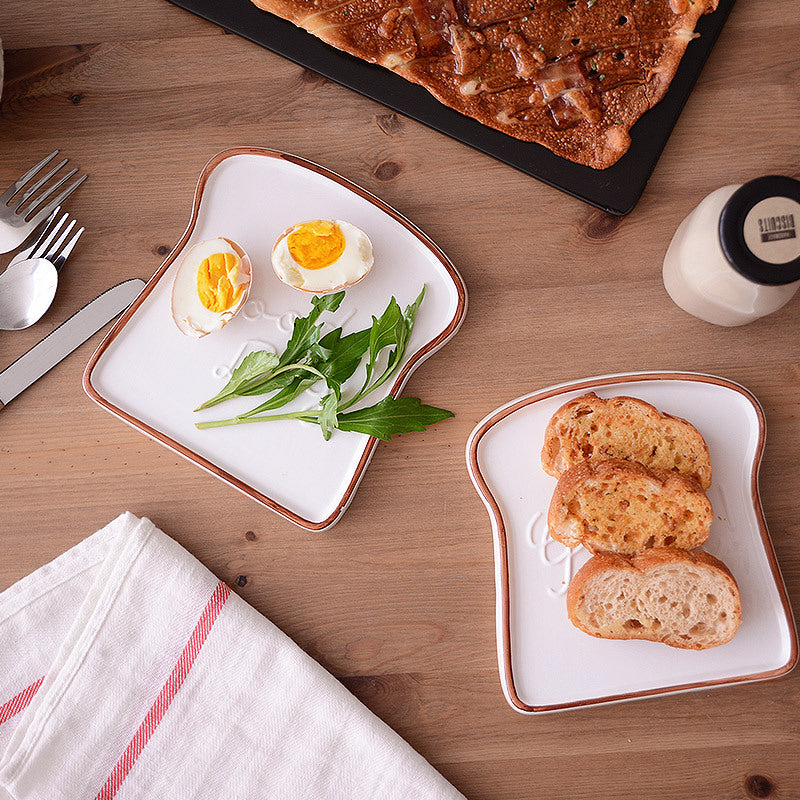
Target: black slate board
(616, 189)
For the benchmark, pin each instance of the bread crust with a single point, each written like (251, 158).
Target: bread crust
(605, 565)
(627, 428)
(623, 520)
(500, 61)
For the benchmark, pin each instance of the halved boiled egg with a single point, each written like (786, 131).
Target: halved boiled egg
(211, 285)
(322, 255)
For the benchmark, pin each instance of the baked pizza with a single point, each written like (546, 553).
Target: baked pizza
(572, 75)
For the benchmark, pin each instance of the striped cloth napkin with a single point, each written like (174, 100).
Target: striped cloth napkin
(127, 670)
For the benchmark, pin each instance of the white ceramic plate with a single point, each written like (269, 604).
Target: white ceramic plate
(152, 376)
(546, 664)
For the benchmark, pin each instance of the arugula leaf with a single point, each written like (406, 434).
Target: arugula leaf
(252, 376)
(289, 392)
(410, 314)
(335, 357)
(385, 419)
(383, 332)
(310, 357)
(328, 302)
(320, 351)
(402, 333)
(327, 415)
(275, 381)
(344, 354)
(392, 415)
(254, 366)
(306, 332)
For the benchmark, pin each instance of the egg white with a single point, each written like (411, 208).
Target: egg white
(352, 265)
(190, 315)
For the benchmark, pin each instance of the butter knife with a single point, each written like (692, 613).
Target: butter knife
(59, 343)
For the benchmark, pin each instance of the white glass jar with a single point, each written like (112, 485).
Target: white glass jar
(736, 257)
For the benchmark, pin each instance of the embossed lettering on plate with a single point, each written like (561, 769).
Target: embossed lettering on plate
(551, 553)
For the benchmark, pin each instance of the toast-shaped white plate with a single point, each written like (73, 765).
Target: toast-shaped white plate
(546, 664)
(152, 376)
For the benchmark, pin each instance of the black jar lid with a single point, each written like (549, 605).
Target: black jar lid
(759, 230)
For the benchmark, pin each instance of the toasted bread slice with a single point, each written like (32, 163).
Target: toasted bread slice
(687, 600)
(622, 507)
(590, 427)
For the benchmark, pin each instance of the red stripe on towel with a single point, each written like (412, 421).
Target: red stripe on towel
(20, 702)
(168, 692)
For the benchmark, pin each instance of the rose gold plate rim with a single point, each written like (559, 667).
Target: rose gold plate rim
(414, 361)
(496, 515)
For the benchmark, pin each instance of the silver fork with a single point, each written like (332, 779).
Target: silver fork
(43, 245)
(16, 223)
(35, 238)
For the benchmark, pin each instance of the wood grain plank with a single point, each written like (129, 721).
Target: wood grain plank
(398, 599)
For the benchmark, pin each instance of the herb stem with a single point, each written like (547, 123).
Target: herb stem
(310, 357)
(302, 416)
(306, 367)
(221, 398)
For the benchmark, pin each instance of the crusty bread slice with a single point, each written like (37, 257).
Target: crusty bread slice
(622, 507)
(590, 427)
(682, 599)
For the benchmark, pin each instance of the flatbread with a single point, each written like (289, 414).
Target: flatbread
(572, 75)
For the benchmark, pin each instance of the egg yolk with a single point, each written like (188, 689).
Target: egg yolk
(216, 281)
(317, 244)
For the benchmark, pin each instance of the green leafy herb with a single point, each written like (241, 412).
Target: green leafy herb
(392, 415)
(590, 3)
(342, 355)
(310, 358)
(254, 367)
(284, 396)
(259, 371)
(328, 418)
(305, 331)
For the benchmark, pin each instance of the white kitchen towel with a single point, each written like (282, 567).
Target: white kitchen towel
(127, 670)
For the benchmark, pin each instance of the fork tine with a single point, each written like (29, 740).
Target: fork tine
(57, 185)
(56, 246)
(43, 212)
(41, 182)
(45, 245)
(18, 184)
(62, 257)
(37, 236)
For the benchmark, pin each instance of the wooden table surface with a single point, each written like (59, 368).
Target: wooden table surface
(398, 599)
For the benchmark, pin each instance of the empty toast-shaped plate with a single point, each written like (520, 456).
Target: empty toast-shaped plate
(546, 664)
(152, 376)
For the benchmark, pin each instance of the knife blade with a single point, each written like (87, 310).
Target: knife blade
(61, 341)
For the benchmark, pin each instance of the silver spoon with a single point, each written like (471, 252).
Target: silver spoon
(27, 288)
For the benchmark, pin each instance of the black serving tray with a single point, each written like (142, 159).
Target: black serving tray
(616, 189)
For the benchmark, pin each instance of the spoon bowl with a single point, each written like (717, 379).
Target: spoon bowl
(27, 289)
(28, 285)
